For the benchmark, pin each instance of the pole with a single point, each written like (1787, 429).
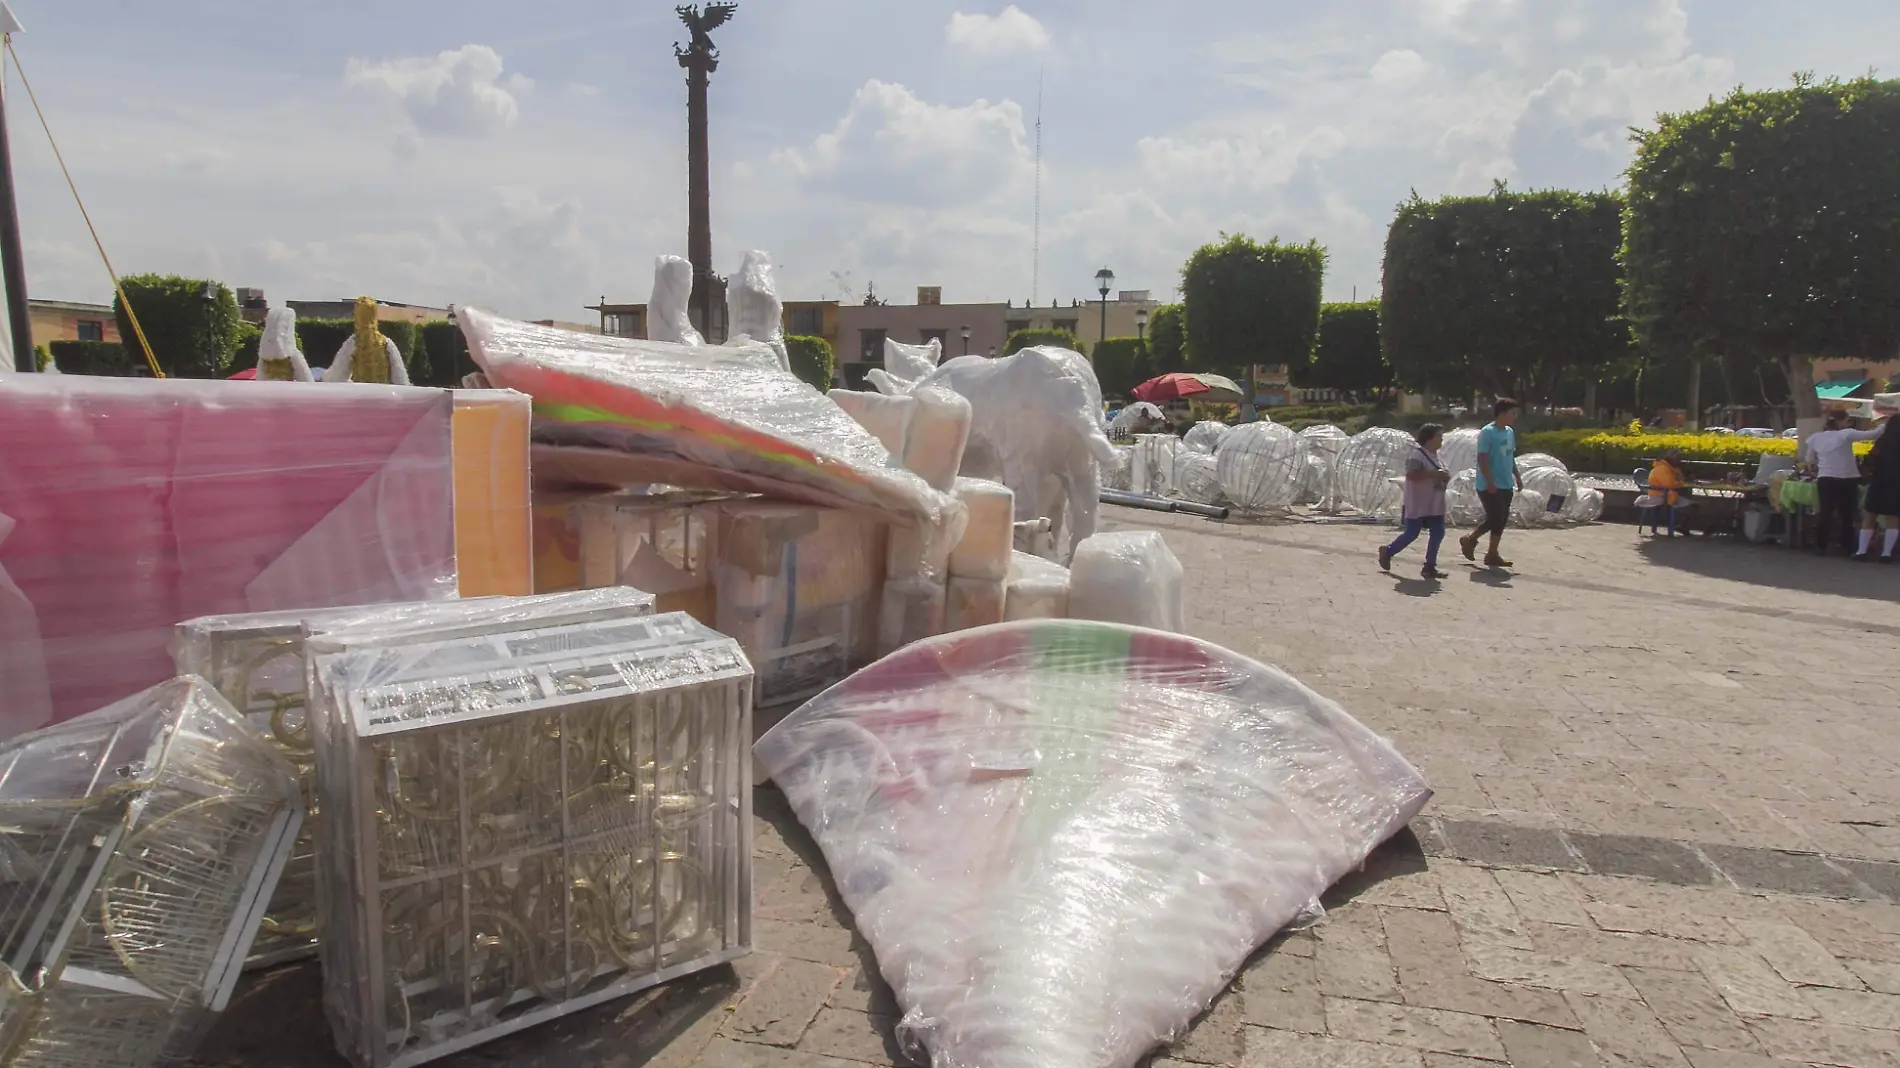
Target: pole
(11, 260)
(1104, 334)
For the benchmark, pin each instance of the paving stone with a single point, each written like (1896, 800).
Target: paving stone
(1648, 858)
(1856, 1008)
(1481, 908)
(731, 1053)
(1352, 959)
(1218, 1037)
(1690, 1009)
(1613, 947)
(1728, 1058)
(1626, 1033)
(1784, 873)
(1415, 1028)
(1819, 1042)
(852, 1036)
(1879, 975)
(1543, 899)
(1749, 985)
(1288, 1049)
(1532, 1046)
(1451, 1060)
(823, 943)
(864, 990)
(1549, 973)
(1667, 924)
(1506, 845)
(1880, 876)
(1795, 955)
(1282, 990)
(783, 1003)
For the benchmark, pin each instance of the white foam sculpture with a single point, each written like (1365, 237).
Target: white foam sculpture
(1363, 479)
(1261, 466)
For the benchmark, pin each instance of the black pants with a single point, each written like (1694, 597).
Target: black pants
(1840, 500)
(1497, 513)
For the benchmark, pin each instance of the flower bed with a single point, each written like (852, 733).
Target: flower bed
(1620, 450)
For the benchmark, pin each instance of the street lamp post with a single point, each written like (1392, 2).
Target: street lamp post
(966, 341)
(1141, 324)
(1104, 279)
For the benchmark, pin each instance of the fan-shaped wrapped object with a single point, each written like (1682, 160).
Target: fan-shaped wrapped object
(1459, 450)
(142, 841)
(1205, 436)
(1261, 466)
(1197, 477)
(1364, 476)
(256, 662)
(1062, 839)
(518, 826)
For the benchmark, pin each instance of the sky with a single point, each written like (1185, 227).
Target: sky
(531, 158)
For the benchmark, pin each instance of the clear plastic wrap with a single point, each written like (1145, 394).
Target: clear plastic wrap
(1197, 478)
(1585, 507)
(142, 841)
(1459, 451)
(658, 542)
(1316, 480)
(886, 417)
(519, 826)
(970, 603)
(1119, 472)
(990, 534)
(619, 412)
(137, 503)
(938, 432)
(913, 608)
(1261, 467)
(256, 663)
(1545, 488)
(1154, 463)
(1037, 417)
(799, 588)
(1205, 436)
(1063, 839)
(1038, 589)
(1324, 442)
(753, 309)
(1368, 475)
(669, 319)
(494, 520)
(1137, 417)
(1129, 577)
(1538, 460)
(907, 365)
(1463, 506)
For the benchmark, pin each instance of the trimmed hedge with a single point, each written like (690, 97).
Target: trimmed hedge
(191, 336)
(441, 355)
(249, 335)
(1121, 364)
(812, 359)
(1619, 451)
(105, 358)
(1029, 339)
(321, 338)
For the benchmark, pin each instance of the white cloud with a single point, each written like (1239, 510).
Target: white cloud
(1013, 31)
(1399, 66)
(460, 92)
(891, 146)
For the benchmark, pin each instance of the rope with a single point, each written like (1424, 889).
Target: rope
(150, 360)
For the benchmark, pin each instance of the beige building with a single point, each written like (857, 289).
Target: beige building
(1128, 315)
(70, 320)
(386, 310)
(963, 329)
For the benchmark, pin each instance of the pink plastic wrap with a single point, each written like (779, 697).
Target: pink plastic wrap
(1063, 838)
(135, 504)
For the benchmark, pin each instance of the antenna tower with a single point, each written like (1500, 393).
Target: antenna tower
(1035, 251)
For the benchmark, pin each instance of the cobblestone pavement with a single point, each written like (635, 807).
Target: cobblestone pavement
(1665, 836)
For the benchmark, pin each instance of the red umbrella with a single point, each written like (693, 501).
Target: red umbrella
(247, 375)
(1178, 385)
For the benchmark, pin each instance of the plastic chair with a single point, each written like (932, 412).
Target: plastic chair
(1654, 504)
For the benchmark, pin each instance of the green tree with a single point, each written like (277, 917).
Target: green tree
(1348, 357)
(1167, 339)
(1121, 364)
(191, 323)
(812, 359)
(1767, 224)
(1026, 339)
(1505, 292)
(1252, 304)
(104, 358)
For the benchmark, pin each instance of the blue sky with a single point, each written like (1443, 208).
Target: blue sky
(531, 157)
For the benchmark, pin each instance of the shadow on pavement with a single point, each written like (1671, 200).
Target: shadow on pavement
(1770, 565)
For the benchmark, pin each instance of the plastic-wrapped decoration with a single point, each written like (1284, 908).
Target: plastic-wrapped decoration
(142, 841)
(520, 826)
(1463, 506)
(1130, 578)
(1261, 466)
(1364, 476)
(1538, 460)
(754, 311)
(1459, 450)
(913, 608)
(886, 417)
(989, 535)
(1316, 480)
(971, 603)
(1038, 589)
(1197, 477)
(1063, 839)
(1540, 501)
(1325, 440)
(1119, 472)
(256, 663)
(1205, 436)
(1154, 463)
(938, 433)
(658, 542)
(1587, 506)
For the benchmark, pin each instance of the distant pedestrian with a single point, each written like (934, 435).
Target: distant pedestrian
(1837, 481)
(1497, 482)
(1883, 495)
(1425, 481)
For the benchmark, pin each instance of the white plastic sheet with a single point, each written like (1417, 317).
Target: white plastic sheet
(668, 316)
(1129, 577)
(753, 309)
(1137, 417)
(1038, 588)
(905, 365)
(1063, 839)
(886, 417)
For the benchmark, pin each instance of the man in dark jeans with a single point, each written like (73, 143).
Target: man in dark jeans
(1497, 482)
(1831, 451)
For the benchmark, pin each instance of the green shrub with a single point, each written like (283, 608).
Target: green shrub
(321, 338)
(192, 323)
(106, 358)
(1121, 364)
(1029, 339)
(442, 354)
(1618, 451)
(249, 334)
(812, 359)
(40, 358)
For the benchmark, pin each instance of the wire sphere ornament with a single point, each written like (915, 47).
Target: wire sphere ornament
(1463, 507)
(1369, 470)
(1459, 451)
(1197, 478)
(1542, 485)
(1205, 437)
(1261, 466)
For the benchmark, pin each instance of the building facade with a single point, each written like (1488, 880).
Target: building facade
(963, 329)
(70, 320)
(1127, 315)
(386, 310)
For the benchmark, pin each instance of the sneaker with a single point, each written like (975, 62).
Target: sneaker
(1432, 574)
(1469, 546)
(1862, 558)
(1385, 558)
(1887, 559)
(1494, 560)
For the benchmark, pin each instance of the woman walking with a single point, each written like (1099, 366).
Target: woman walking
(1883, 495)
(1425, 481)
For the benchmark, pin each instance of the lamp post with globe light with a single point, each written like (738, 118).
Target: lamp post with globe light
(966, 341)
(1104, 280)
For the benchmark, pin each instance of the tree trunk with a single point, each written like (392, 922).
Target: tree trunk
(1590, 398)
(1807, 404)
(1695, 394)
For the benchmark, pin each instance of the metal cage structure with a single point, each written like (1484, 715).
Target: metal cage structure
(140, 845)
(256, 661)
(518, 826)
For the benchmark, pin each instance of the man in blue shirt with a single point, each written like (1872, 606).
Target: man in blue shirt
(1497, 482)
